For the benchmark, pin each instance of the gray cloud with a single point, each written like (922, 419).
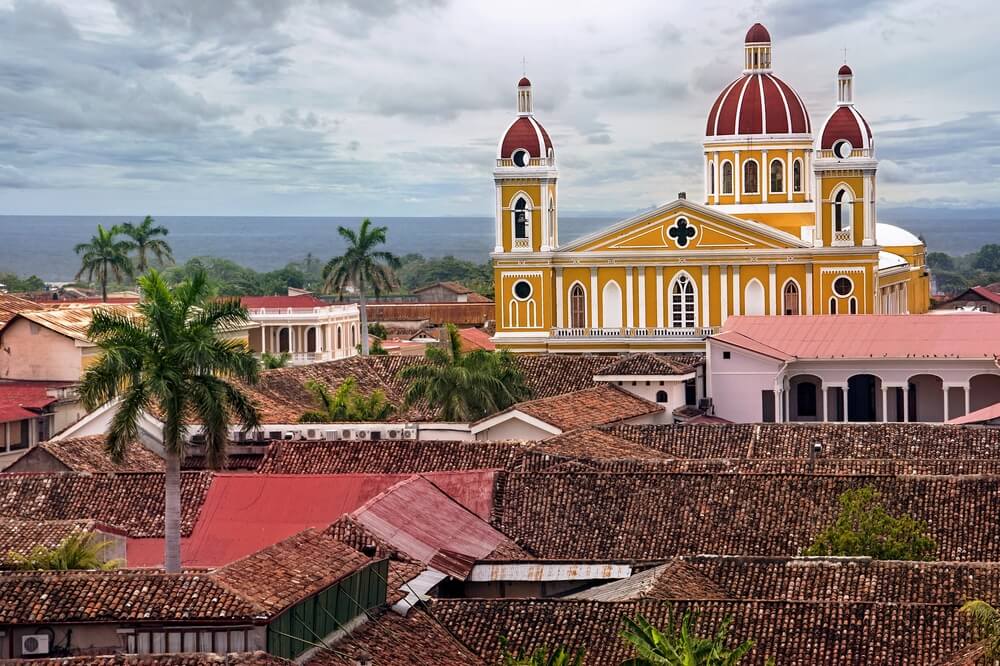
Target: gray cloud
(791, 18)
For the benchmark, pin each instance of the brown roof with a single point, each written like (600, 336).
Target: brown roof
(644, 364)
(87, 454)
(870, 441)
(794, 632)
(595, 444)
(673, 580)
(651, 516)
(21, 536)
(73, 321)
(107, 498)
(177, 659)
(388, 456)
(11, 305)
(589, 407)
(392, 640)
(117, 596)
(471, 313)
(454, 287)
(278, 576)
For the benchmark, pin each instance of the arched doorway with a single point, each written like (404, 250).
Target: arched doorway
(753, 298)
(612, 302)
(926, 398)
(805, 398)
(284, 340)
(984, 390)
(311, 339)
(863, 398)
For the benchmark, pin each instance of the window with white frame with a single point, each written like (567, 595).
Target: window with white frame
(750, 177)
(727, 177)
(797, 175)
(577, 306)
(777, 176)
(682, 303)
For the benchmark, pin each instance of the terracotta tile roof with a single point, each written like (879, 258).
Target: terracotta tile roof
(595, 444)
(872, 336)
(590, 407)
(454, 287)
(247, 462)
(393, 640)
(11, 305)
(644, 364)
(793, 632)
(899, 441)
(107, 498)
(21, 536)
(476, 338)
(299, 301)
(278, 576)
(471, 313)
(177, 659)
(388, 456)
(653, 516)
(29, 598)
(87, 454)
(673, 580)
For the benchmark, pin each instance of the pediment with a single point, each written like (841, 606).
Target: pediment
(684, 226)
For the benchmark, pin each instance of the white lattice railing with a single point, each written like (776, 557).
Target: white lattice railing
(522, 243)
(844, 237)
(679, 332)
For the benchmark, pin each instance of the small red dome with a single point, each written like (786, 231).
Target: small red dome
(845, 71)
(526, 133)
(523, 82)
(757, 34)
(758, 103)
(846, 123)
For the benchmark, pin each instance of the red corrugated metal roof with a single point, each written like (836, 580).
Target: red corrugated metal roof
(18, 399)
(299, 301)
(417, 518)
(866, 336)
(987, 294)
(988, 413)
(244, 513)
(476, 338)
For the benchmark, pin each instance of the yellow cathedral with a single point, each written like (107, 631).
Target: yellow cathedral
(788, 225)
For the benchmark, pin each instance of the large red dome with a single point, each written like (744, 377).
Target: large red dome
(526, 133)
(758, 103)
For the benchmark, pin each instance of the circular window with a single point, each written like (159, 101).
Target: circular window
(843, 286)
(522, 290)
(842, 149)
(520, 157)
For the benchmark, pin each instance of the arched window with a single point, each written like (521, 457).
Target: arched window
(521, 219)
(842, 211)
(833, 306)
(727, 177)
(682, 303)
(661, 396)
(577, 306)
(853, 304)
(284, 340)
(791, 298)
(354, 337)
(612, 298)
(797, 176)
(750, 185)
(340, 338)
(777, 176)
(753, 302)
(711, 177)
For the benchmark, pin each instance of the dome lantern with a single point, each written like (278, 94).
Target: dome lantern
(524, 97)
(757, 49)
(845, 85)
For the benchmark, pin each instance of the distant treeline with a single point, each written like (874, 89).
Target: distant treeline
(955, 274)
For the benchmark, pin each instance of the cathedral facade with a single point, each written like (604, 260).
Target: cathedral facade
(787, 225)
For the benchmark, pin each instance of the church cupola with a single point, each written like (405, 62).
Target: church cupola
(845, 85)
(524, 97)
(757, 49)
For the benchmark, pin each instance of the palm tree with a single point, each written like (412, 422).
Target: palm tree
(172, 358)
(987, 621)
(464, 386)
(346, 403)
(271, 361)
(362, 267)
(679, 645)
(105, 256)
(541, 656)
(147, 239)
(80, 550)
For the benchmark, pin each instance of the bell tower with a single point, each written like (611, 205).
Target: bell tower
(526, 178)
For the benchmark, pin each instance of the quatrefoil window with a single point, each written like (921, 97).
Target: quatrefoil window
(682, 232)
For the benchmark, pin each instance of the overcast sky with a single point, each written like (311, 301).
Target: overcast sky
(394, 107)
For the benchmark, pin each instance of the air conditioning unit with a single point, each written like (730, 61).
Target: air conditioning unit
(288, 435)
(331, 435)
(346, 434)
(375, 435)
(361, 434)
(705, 404)
(274, 434)
(409, 433)
(312, 433)
(35, 644)
(392, 434)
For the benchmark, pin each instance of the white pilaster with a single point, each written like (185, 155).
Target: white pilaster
(642, 297)
(809, 289)
(545, 229)
(946, 389)
(559, 297)
(705, 177)
(869, 226)
(965, 392)
(706, 313)
(659, 297)
(498, 230)
(723, 294)
(628, 302)
(826, 402)
(595, 320)
(765, 173)
(737, 176)
(885, 404)
(737, 291)
(906, 403)
(718, 182)
(772, 288)
(843, 402)
(789, 182)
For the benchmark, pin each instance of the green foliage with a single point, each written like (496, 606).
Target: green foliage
(986, 620)
(228, 278)
(987, 258)
(346, 404)
(939, 261)
(105, 257)
(270, 361)
(865, 528)
(375, 348)
(14, 284)
(146, 239)
(416, 272)
(379, 330)
(80, 550)
(464, 386)
(679, 645)
(541, 656)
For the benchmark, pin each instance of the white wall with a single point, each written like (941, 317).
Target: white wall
(515, 429)
(736, 383)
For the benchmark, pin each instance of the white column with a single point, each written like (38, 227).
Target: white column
(772, 288)
(778, 404)
(498, 229)
(789, 184)
(642, 297)
(544, 219)
(723, 293)
(737, 176)
(809, 289)
(945, 389)
(765, 174)
(843, 401)
(737, 291)
(718, 183)
(906, 402)
(629, 310)
(706, 312)
(659, 297)
(826, 401)
(263, 338)
(885, 404)
(869, 226)
(594, 319)
(705, 177)
(559, 297)
(807, 175)
(965, 392)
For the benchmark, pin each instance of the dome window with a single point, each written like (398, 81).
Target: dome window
(727, 177)
(521, 157)
(777, 176)
(797, 175)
